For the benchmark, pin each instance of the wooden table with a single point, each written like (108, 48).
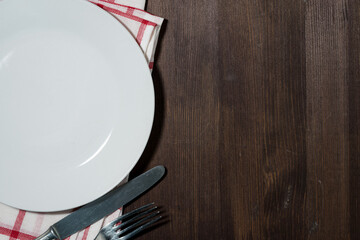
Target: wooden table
(257, 120)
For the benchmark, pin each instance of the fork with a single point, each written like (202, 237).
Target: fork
(136, 220)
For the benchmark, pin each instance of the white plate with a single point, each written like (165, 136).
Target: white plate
(76, 103)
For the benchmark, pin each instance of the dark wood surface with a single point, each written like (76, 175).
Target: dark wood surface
(257, 120)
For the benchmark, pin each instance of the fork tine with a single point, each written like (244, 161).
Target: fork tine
(142, 220)
(139, 229)
(129, 214)
(134, 222)
(134, 218)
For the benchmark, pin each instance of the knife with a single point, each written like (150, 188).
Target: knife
(103, 206)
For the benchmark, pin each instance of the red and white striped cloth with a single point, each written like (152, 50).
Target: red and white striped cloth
(145, 28)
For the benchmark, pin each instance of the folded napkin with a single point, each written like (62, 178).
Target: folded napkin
(144, 27)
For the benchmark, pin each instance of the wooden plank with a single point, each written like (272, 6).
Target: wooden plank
(186, 71)
(354, 116)
(326, 25)
(262, 64)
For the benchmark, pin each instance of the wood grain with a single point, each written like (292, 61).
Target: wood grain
(326, 29)
(354, 116)
(257, 120)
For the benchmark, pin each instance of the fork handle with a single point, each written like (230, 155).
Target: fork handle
(48, 235)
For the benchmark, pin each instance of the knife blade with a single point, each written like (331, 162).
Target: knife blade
(103, 206)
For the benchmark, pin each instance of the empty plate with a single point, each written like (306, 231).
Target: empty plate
(76, 103)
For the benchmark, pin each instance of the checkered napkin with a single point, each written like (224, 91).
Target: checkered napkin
(144, 27)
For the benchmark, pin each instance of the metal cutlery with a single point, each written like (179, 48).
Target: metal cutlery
(130, 224)
(103, 206)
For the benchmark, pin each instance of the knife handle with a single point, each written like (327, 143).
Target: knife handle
(48, 235)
